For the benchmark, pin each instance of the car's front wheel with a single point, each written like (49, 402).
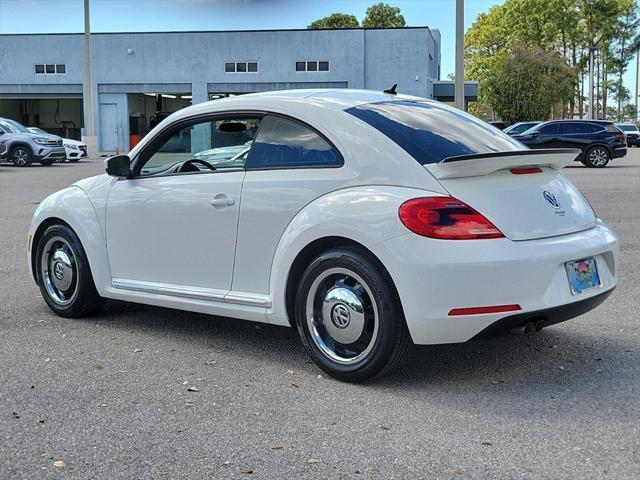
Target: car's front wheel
(21, 156)
(597, 157)
(63, 273)
(349, 315)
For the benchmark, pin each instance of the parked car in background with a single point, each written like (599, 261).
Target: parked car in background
(499, 124)
(520, 127)
(74, 150)
(599, 140)
(23, 147)
(366, 221)
(632, 133)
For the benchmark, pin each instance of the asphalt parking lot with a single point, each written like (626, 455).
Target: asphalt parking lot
(110, 396)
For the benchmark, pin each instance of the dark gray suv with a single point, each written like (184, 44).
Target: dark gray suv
(21, 147)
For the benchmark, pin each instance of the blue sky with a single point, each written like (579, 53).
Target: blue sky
(31, 16)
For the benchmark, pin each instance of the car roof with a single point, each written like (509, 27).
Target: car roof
(580, 120)
(333, 98)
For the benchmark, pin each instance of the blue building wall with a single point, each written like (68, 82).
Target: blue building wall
(193, 62)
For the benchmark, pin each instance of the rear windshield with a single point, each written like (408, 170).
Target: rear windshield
(431, 132)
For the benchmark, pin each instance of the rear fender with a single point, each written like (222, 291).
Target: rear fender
(367, 215)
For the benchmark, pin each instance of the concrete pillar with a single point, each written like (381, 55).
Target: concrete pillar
(201, 134)
(89, 136)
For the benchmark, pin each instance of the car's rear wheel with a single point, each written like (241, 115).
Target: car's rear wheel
(597, 157)
(21, 156)
(63, 273)
(349, 316)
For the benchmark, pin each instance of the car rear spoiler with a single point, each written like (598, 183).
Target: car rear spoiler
(487, 163)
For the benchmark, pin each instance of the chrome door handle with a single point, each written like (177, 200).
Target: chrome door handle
(221, 200)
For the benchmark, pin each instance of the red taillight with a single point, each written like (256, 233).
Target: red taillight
(483, 310)
(525, 170)
(445, 218)
(621, 136)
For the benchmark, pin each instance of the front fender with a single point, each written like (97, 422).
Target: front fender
(367, 215)
(72, 206)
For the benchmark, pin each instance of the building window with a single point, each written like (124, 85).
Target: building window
(241, 67)
(312, 66)
(50, 68)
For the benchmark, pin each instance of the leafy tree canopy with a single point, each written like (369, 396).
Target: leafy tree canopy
(526, 82)
(335, 20)
(382, 15)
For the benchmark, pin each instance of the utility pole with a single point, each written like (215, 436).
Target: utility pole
(637, 81)
(459, 81)
(87, 87)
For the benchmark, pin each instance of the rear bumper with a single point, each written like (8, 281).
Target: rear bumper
(546, 317)
(435, 276)
(618, 152)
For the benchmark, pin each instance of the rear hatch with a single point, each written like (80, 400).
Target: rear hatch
(522, 193)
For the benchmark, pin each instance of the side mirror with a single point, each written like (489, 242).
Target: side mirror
(535, 134)
(118, 166)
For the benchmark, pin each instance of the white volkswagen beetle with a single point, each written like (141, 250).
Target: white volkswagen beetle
(368, 221)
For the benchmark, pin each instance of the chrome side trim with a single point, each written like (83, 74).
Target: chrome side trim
(196, 293)
(168, 289)
(241, 298)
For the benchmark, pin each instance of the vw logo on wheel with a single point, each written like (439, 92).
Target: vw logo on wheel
(551, 198)
(340, 316)
(58, 271)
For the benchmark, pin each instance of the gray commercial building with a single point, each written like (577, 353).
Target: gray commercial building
(138, 78)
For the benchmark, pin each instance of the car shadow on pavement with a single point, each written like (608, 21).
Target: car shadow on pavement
(561, 358)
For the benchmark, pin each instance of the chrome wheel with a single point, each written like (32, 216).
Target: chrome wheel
(20, 157)
(59, 271)
(598, 157)
(342, 315)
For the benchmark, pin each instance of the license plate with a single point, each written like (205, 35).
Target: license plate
(583, 275)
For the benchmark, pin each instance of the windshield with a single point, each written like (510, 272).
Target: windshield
(520, 127)
(628, 128)
(12, 127)
(431, 132)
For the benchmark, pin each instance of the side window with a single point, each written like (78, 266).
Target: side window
(572, 128)
(551, 129)
(222, 144)
(283, 143)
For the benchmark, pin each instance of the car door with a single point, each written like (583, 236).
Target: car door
(171, 228)
(576, 135)
(547, 136)
(290, 165)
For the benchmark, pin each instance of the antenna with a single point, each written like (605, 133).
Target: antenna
(392, 90)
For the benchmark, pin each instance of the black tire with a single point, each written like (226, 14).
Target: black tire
(597, 157)
(21, 156)
(326, 287)
(69, 289)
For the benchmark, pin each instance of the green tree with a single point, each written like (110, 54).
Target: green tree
(382, 15)
(626, 42)
(568, 27)
(335, 20)
(526, 83)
